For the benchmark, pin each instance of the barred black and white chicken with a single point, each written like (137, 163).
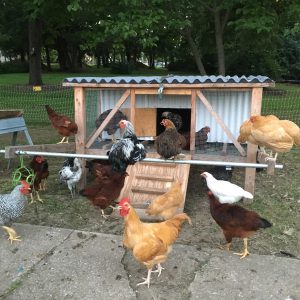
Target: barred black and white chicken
(128, 150)
(12, 206)
(112, 125)
(71, 173)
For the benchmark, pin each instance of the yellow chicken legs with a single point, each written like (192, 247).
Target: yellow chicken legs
(245, 252)
(12, 235)
(64, 140)
(147, 280)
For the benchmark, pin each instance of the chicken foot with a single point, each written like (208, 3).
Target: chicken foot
(12, 235)
(103, 214)
(65, 139)
(245, 252)
(158, 270)
(147, 280)
(225, 246)
(38, 198)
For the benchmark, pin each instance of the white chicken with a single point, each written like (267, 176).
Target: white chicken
(71, 173)
(225, 191)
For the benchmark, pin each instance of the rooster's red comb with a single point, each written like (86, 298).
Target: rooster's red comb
(124, 200)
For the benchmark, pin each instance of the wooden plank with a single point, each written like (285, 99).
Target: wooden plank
(165, 92)
(250, 173)
(62, 148)
(80, 137)
(148, 190)
(221, 123)
(132, 107)
(156, 179)
(108, 118)
(193, 121)
(11, 113)
(145, 121)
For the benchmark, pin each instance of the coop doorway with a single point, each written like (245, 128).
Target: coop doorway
(185, 114)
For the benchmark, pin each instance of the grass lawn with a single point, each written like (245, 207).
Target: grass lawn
(277, 197)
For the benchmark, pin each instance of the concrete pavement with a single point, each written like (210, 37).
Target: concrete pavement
(56, 263)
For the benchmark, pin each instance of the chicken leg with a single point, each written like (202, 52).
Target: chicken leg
(147, 280)
(159, 269)
(65, 140)
(245, 252)
(62, 140)
(38, 198)
(12, 235)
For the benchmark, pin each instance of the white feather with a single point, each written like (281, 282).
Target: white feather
(225, 191)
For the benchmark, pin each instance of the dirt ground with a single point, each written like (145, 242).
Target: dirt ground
(277, 198)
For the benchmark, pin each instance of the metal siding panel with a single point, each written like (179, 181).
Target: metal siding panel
(169, 79)
(233, 107)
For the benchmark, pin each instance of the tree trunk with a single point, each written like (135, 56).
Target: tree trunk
(35, 44)
(62, 54)
(48, 60)
(196, 52)
(219, 42)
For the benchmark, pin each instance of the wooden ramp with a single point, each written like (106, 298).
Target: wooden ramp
(148, 180)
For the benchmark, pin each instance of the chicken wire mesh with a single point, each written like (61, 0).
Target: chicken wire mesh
(283, 103)
(61, 99)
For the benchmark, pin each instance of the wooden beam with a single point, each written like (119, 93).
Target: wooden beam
(80, 138)
(80, 119)
(132, 107)
(221, 123)
(153, 91)
(250, 173)
(193, 121)
(108, 118)
(10, 150)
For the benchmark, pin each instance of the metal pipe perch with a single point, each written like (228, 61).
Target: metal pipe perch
(157, 160)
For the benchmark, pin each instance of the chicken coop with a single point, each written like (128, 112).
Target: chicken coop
(221, 103)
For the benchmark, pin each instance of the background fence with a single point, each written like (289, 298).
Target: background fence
(283, 102)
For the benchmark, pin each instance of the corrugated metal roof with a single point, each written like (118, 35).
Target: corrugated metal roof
(169, 79)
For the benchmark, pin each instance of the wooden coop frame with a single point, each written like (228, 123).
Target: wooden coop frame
(191, 86)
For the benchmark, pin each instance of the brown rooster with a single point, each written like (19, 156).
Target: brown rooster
(100, 169)
(63, 124)
(236, 222)
(40, 167)
(105, 193)
(169, 143)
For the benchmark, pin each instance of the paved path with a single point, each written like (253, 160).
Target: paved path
(55, 263)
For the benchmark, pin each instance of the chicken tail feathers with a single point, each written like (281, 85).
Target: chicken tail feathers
(179, 219)
(50, 111)
(297, 139)
(119, 166)
(247, 195)
(264, 223)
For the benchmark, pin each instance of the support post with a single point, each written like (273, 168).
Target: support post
(193, 121)
(132, 107)
(256, 101)
(80, 138)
